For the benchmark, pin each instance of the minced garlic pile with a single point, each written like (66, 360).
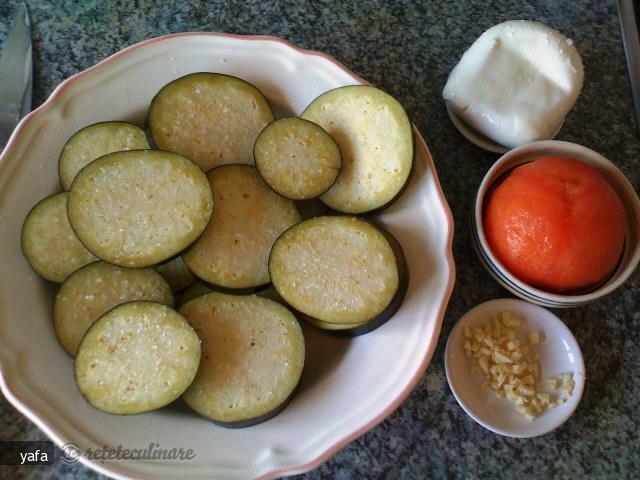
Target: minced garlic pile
(511, 367)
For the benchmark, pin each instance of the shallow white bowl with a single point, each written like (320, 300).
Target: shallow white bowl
(473, 135)
(526, 153)
(559, 353)
(348, 386)
(477, 138)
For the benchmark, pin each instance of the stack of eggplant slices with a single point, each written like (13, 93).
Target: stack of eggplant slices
(251, 222)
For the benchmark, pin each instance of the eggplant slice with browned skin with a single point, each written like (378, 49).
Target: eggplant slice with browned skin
(375, 137)
(138, 357)
(253, 353)
(233, 252)
(211, 118)
(49, 243)
(297, 158)
(311, 208)
(95, 289)
(342, 274)
(196, 290)
(94, 141)
(139, 207)
(176, 273)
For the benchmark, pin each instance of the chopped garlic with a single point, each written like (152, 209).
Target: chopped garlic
(511, 367)
(553, 382)
(564, 381)
(568, 383)
(509, 319)
(500, 357)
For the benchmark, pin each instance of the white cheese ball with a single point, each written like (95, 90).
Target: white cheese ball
(516, 83)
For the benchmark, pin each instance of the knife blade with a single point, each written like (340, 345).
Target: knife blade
(16, 75)
(631, 42)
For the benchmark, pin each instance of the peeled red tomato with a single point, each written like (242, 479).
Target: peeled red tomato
(556, 224)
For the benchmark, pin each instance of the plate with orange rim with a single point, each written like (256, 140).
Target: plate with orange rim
(348, 385)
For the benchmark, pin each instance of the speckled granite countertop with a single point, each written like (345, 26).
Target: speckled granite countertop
(408, 49)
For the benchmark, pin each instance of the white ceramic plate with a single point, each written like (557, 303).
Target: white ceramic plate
(348, 386)
(559, 353)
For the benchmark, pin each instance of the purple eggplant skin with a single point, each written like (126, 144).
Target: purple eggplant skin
(254, 420)
(389, 311)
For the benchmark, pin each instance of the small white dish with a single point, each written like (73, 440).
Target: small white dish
(473, 135)
(526, 153)
(559, 353)
(477, 138)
